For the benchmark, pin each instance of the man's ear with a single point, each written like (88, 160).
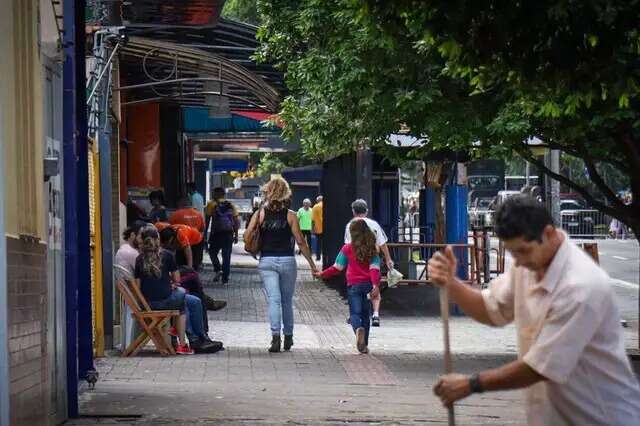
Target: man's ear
(549, 231)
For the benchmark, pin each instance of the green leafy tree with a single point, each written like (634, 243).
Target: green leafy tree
(565, 71)
(475, 76)
(242, 10)
(351, 84)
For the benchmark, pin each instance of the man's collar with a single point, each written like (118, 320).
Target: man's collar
(556, 267)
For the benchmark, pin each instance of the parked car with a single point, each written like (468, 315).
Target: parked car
(576, 219)
(480, 212)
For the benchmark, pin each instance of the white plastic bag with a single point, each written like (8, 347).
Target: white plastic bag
(393, 277)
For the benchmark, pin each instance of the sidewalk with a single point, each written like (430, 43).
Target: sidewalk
(322, 381)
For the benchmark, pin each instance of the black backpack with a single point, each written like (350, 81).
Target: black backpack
(223, 220)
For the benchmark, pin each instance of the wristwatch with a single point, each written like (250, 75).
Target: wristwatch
(474, 383)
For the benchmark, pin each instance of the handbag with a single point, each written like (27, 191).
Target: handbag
(253, 239)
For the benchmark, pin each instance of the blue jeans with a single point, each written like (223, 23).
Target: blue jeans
(279, 281)
(175, 301)
(195, 321)
(360, 307)
(221, 241)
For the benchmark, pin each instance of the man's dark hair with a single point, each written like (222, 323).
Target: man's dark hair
(157, 195)
(218, 193)
(133, 229)
(191, 187)
(127, 233)
(521, 216)
(168, 236)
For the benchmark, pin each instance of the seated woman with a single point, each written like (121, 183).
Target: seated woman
(197, 325)
(156, 274)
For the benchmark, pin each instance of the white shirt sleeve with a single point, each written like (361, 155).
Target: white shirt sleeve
(499, 299)
(381, 237)
(347, 234)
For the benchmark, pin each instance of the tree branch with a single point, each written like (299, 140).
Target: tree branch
(600, 183)
(624, 168)
(617, 213)
(632, 149)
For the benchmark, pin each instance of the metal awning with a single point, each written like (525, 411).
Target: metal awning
(155, 70)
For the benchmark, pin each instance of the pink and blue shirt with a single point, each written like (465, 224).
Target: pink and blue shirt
(357, 272)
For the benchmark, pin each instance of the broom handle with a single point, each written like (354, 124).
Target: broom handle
(448, 365)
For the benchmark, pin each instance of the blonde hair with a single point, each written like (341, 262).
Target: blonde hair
(277, 194)
(151, 260)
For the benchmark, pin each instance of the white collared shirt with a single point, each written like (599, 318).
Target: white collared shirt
(569, 332)
(381, 237)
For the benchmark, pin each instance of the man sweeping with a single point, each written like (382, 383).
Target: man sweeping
(571, 355)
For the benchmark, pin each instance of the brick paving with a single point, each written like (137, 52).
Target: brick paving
(323, 380)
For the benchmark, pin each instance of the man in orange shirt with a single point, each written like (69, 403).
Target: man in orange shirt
(185, 241)
(317, 225)
(187, 215)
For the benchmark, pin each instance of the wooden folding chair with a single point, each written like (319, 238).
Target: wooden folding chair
(152, 322)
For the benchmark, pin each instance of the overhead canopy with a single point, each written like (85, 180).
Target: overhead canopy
(165, 71)
(182, 52)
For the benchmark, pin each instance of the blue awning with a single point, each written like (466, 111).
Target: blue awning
(228, 165)
(197, 120)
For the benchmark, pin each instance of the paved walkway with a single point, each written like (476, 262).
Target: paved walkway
(323, 380)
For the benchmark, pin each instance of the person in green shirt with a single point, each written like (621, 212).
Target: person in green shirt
(304, 219)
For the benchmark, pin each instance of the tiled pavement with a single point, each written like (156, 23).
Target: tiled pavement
(321, 381)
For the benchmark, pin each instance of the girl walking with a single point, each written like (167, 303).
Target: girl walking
(361, 260)
(278, 269)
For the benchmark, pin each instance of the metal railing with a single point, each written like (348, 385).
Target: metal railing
(411, 259)
(585, 223)
(411, 234)
(480, 219)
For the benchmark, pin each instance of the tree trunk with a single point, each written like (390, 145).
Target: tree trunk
(433, 179)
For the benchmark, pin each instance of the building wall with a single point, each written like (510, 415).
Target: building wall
(27, 331)
(21, 110)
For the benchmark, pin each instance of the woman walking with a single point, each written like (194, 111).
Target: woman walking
(157, 276)
(279, 228)
(360, 258)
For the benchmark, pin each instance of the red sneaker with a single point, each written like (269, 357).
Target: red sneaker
(172, 331)
(184, 350)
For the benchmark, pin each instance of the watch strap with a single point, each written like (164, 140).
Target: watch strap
(474, 383)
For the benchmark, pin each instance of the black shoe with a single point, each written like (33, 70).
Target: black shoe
(348, 320)
(225, 282)
(288, 342)
(216, 276)
(275, 343)
(208, 346)
(375, 321)
(215, 305)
